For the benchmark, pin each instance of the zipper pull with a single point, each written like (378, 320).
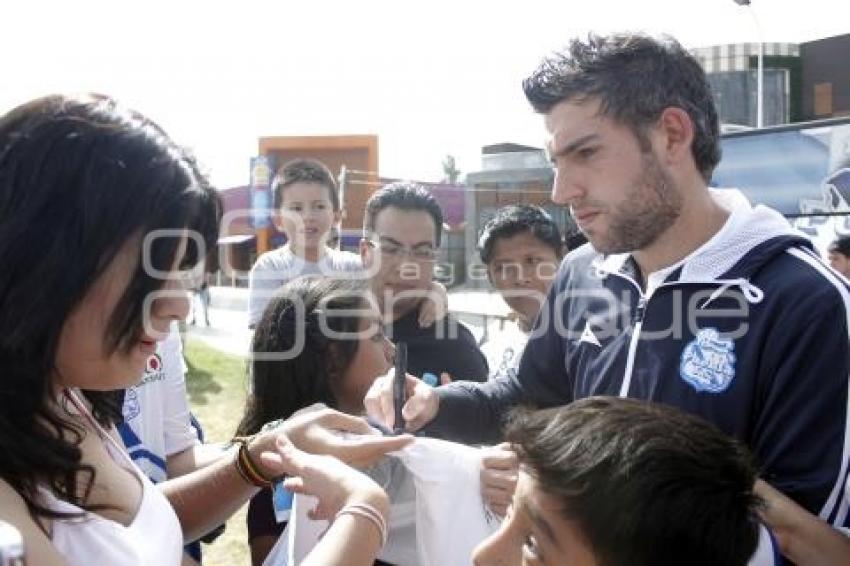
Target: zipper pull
(641, 309)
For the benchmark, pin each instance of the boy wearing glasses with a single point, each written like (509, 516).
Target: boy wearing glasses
(402, 228)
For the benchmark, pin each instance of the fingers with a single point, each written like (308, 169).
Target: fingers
(499, 469)
(497, 500)
(498, 494)
(332, 419)
(378, 401)
(500, 457)
(310, 409)
(366, 450)
(499, 480)
(294, 484)
(411, 383)
(445, 378)
(386, 399)
(421, 407)
(426, 314)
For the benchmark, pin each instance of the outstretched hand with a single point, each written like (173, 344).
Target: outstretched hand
(317, 429)
(326, 478)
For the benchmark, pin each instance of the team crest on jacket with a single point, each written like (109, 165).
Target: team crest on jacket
(708, 362)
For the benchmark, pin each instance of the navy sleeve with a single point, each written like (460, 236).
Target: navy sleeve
(542, 371)
(473, 413)
(800, 429)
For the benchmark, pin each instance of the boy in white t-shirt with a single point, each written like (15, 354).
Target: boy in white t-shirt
(522, 248)
(306, 204)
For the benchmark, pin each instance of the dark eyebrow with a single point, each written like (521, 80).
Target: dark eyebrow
(397, 243)
(574, 145)
(390, 240)
(540, 522)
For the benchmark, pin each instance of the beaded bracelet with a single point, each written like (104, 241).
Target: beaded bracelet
(368, 512)
(245, 465)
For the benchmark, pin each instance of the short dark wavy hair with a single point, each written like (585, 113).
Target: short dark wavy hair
(841, 245)
(405, 196)
(515, 219)
(634, 77)
(646, 483)
(304, 171)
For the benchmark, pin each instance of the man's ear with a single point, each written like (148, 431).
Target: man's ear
(676, 135)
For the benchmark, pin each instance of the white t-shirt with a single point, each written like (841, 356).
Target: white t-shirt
(504, 351)
(156, 410)
(277, 267)
(437, 515)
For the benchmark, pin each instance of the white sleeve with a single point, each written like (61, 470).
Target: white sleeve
(177, 426)
(263, 282)
(353, 263)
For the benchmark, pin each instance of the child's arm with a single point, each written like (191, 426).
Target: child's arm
(355, 505)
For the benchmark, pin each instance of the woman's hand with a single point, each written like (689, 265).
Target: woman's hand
(326, 478)
(320, 430)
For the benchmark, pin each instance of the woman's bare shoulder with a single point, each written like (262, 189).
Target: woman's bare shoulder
(37, 545)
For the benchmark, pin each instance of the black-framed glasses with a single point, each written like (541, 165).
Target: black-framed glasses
(394, 250)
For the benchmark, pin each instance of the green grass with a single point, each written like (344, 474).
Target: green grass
(217, 386)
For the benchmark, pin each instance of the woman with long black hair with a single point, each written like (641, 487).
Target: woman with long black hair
(100, 216)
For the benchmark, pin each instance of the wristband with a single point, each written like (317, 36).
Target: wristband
(247, 468)
(371, 514)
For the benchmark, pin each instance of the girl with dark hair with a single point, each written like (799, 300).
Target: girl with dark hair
(319, 341)
(100, 214)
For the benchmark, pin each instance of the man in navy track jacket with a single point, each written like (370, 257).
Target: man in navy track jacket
(685, 295)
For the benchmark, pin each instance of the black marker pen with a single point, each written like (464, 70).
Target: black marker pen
(399, 385)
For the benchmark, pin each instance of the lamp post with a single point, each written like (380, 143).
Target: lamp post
(760, 71)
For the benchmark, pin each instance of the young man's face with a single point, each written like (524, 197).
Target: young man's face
(400, 258)
(840, 262)
(306, 214)
(521, 268)
(621, 197)
(534, 532)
